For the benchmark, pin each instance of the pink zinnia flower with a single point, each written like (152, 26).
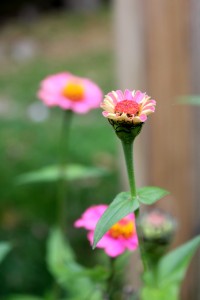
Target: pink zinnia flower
(70, 92)
(130, 106)
(121, 236)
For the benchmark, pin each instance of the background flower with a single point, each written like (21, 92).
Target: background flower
(121, 236)
(70, 92)
(157, 224)
(157, 229)
(130, 106)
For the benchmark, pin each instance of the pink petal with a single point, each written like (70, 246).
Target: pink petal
(105, 113)
(112, 247)
(128, 95)
(90, 217)
(139, 96)
(54, 83)
(93, 94)
(131, 243)
(120, 95)
(146, 107)
(143, 118)
(112, 96)
(48, 99)
(148, 103)
(153, 102)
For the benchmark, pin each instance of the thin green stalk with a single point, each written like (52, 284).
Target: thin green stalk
(63, 160)
(110, 281)
(128, 153)
(114, 289)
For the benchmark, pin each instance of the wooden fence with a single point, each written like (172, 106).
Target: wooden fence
(155, 46)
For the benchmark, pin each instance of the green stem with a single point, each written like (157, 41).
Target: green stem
(128, 153)
(142, 251)
(63, 155)
(64, 137)
(114, 287)
(111, 279)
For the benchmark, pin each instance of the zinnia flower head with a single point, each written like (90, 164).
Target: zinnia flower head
(130, 106)
(127, 112)
(121, 236)
(70, 92)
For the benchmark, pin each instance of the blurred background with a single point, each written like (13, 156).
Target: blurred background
(150, 45)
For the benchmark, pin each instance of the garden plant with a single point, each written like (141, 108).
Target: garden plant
(118, 228)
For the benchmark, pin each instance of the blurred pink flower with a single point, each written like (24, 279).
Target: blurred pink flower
(121, 236)
(130, 106)
(70, 92)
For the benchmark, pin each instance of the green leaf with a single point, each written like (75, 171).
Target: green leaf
(172, 267)
(150, 194)
(4, 249)
(121, 206)
(190, 99)
(158, 293)
(56, 172)
(79, 282)
(59, 253)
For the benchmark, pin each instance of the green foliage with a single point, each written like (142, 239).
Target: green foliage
(122, 205)
(150, 194)
(56, 172)
(172, 267)
(80, 283)
(164, 293)
(164, 281)
(26, 145)
(4, 249)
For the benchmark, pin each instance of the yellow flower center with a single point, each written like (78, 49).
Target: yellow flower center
(124, 228)
(74, 91)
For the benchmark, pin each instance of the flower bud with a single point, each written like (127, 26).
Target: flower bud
(157, 230)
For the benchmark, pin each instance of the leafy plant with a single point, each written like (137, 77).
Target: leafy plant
(164, 280)
(78, 282)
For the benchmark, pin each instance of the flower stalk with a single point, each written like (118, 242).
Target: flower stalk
(63, 161)
(126, 112)
(110, 281)
(128, 153)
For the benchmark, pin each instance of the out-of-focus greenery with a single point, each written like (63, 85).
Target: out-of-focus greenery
(163, 281)
(75, 43)
(4, 249)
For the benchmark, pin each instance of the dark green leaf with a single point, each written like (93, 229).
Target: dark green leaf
(150, 194)
(121, 206)
(56, 172)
